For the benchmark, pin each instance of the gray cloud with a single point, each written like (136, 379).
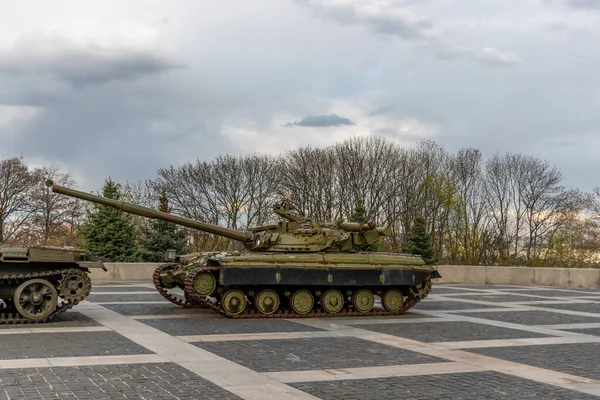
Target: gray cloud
(399, 22)
(63, 59)
(583, 4)
(321, 121)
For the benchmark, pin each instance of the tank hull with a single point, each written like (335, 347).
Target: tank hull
(248, 285)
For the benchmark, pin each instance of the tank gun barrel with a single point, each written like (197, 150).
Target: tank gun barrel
(131, 208)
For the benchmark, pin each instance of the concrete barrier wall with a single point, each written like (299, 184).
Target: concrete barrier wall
(124, 272)
(524, 276)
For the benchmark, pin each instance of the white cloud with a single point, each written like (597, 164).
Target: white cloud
(497, 57)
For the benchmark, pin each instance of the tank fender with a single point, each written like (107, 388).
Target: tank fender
(92, 264)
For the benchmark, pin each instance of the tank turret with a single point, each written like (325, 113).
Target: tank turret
(298, 267)
(296, 234)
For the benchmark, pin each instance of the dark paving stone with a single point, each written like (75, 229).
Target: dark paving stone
(534, 289)
(64, 320)
(586, 331)
(313, 353)
(210, 326)
(560, 293)
(153, 309)
(532, 317)
(445, 290)
(579, 359)
(67, 344)
(408, 315)
(464, 386)
(125, 289)
(498, 298)
(449, 331)
(136, 381)
(105, 298)
(448, 305)
(488, 287)
(583, 307)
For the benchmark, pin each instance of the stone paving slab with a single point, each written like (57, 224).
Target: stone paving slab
(448, 305)
(106, 298)
(449, 331)
(124, 289)
(576, 359)
(565, 293)
(139, 381)
(210, 326)
(532, 317)
(464, 386)
(498, 298)
(313, 353)
(155, 309)
(66, 344)
(69, 318)
(447, 290)
(586, 331)
(489, 287)
(582, 307)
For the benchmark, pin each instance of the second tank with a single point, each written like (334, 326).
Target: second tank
(296, 268)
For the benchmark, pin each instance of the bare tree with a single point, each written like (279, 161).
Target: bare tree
(263, 178)
(309, 181)
(55, 216)
(16, 182)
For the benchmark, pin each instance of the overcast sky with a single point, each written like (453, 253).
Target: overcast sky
(122, 88)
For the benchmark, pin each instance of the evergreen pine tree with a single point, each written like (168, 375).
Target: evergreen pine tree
(418, 242)
(359, 214)
(162, 236)
(109, 233)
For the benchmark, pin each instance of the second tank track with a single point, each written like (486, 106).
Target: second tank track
(192, 299)
(9, 314)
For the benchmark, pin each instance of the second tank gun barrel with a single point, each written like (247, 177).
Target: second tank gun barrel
(131, 208)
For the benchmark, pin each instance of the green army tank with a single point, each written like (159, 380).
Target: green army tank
(296, 268)
(39, 282)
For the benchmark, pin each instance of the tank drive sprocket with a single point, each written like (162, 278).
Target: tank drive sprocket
(74, 286)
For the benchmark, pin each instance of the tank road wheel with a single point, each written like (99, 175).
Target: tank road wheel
(205, 284)
(332, 301)
(74, 286)
(36, 299)
(392, 300)
(302, 301)
(267, 301)
(363, 300)
(233, 302)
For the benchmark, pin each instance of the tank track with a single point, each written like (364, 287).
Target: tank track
(415, 295)
(11, 316)
(183, 302)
